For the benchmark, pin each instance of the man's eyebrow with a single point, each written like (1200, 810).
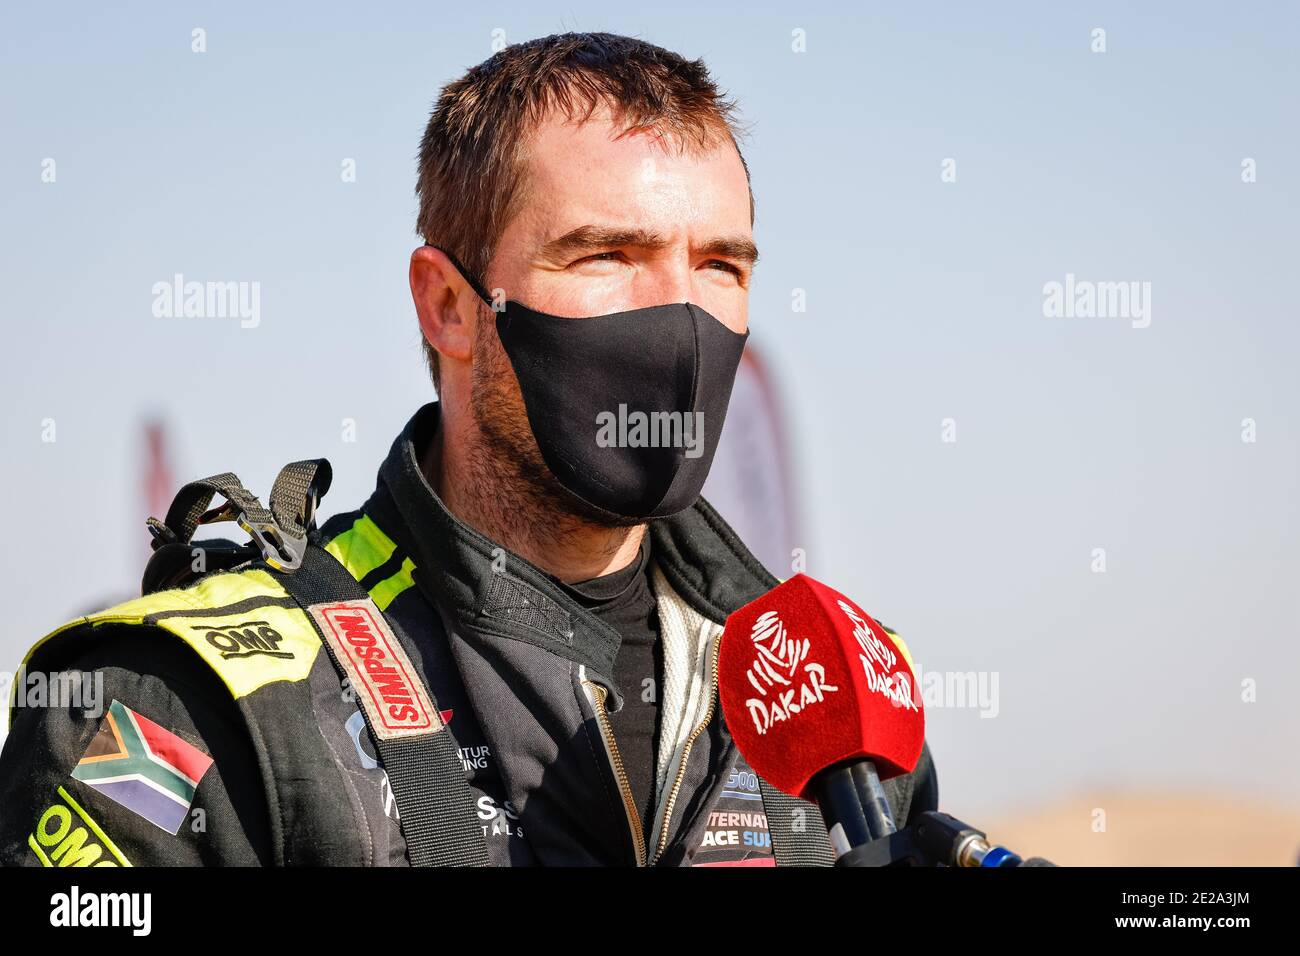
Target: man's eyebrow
(594, 238)
(589, 239)
(731, 247)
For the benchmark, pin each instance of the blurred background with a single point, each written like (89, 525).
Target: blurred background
(1085, 528)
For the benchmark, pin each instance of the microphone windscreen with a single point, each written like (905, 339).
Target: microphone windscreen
(808, 680)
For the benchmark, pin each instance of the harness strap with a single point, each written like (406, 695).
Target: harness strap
(189, 508)
(297, 489)
(798, 832)
(428, 781)
(278, 532)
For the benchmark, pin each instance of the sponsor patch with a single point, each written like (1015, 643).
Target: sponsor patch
(387, 685)
(736, 831)
(244, 639)
(149, 770)
(65, 835)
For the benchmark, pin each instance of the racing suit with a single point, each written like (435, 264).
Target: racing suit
(223, 735)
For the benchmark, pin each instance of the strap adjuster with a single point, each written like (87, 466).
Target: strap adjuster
(282, 551)
(279, 533)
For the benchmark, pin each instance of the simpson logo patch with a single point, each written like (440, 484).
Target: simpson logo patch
(147, 769)
(388, 687)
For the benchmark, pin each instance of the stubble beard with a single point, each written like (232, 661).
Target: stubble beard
(513, 488)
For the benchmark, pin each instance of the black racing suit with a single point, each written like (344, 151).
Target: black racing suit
(520, 669)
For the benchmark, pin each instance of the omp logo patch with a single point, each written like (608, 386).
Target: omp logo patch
(147, 769)
(245, 639)
(65, 835)
(388, 687)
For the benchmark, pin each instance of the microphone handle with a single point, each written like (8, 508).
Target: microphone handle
(841, 807)
(875, 805)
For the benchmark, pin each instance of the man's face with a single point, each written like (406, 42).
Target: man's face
(609, 223)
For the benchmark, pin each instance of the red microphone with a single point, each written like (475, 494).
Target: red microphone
(822, 704)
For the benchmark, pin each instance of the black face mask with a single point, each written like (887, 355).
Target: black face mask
(626, 408)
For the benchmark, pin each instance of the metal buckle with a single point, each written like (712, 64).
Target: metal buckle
(280, 551)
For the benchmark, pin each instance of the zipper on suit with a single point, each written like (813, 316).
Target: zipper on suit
(596, 694)
(670, 798)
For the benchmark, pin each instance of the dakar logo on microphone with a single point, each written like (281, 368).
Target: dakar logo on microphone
(879, 662)
(777, 660)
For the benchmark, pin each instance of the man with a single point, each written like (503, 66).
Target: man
(507, 654)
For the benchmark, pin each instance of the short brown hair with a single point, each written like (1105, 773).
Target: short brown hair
(473, 151)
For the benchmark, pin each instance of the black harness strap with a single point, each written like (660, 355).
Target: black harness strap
(189, 508)
(434, 803)
(425, 773)
(278, 532)
(798, 832)
(295, 493)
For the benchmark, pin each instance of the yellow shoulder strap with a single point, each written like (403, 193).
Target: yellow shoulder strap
(243, 624)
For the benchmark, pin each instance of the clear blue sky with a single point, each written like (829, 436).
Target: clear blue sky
(924, 303)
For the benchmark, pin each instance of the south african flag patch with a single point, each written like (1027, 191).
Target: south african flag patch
(147, 769)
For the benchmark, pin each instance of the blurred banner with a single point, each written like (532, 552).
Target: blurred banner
(157, 480)
(751, 481)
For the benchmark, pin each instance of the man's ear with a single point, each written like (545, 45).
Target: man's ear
(447, 307)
